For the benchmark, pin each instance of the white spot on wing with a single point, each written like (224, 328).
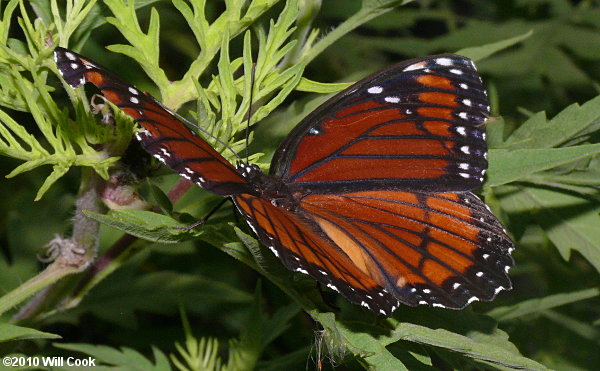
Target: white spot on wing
(159, 158)
(375, 90)
(70, 56)
(456, 72)
(134, 100)
(392, 99)
(472, 299)
(444, 61)
(416, 66)
(465, 149)
(461, 130)
(165, 152)
(133, 90)
(463, 115)
(463, 166)
(74, 66)
(467, 102)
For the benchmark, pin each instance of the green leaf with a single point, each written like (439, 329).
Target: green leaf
(58, 171)
(513, 165)
(125, 358)
(13, 332)
(571, 222)
(145, 224)
(481, 52)
(537, 132)
(320, 87)
(158, 292)
(369, 9)
(363, 343)
(535, 306)
(582, 329)
(370, 341)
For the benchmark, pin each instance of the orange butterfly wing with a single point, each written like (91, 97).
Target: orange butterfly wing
(441, 249)
(162, 134)
(303, 247)
(379, 248)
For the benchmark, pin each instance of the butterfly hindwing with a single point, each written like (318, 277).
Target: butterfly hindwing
(302, 247)
(162, 133)
(441, 249)
(416, 126)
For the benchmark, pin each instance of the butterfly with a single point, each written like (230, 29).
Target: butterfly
(370, 194)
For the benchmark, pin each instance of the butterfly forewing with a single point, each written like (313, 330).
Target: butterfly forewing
(162, 133)
(416, 126)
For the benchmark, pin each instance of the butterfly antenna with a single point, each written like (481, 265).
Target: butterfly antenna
(250, 109)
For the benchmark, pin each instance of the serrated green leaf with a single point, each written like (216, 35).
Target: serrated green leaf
(512, 165)
(539, 133)
(570, 222)
(13, 332)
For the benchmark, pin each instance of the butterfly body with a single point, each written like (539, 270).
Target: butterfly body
(370, 194)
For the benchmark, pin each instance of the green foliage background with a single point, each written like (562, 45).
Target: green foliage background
(175, 299)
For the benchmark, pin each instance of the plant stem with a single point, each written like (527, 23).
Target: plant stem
(71, 255)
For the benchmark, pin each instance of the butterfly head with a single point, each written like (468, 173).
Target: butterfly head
(248, 171)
